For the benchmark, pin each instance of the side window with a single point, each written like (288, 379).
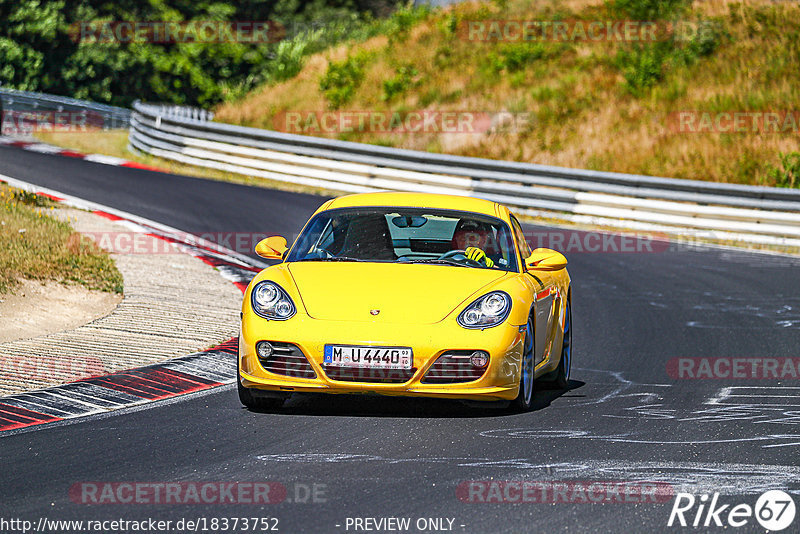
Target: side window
(524, 249)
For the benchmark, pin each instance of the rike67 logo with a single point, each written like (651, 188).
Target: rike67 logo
(774, 510)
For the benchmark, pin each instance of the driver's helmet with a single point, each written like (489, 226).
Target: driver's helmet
(471, 233)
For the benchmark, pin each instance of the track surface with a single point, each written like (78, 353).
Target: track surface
(624, 418)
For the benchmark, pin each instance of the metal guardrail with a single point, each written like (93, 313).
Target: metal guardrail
(17, 104)
(185, 112)
(727, 211)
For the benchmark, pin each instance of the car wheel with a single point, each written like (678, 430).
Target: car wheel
(524, 399)
(253, 402)
(559, 379)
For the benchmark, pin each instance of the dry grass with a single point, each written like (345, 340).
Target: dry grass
(584, 116)
(36, 246)
(109, 142)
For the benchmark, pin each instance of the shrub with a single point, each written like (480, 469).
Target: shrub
(642, 66)
(404, 19)
(705, 40)
(340, 81)
(648, 9)
(405, 78)
(514, 57)
(789, 175)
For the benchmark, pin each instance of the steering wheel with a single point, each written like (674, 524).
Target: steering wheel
(461, 257)
(323, 254)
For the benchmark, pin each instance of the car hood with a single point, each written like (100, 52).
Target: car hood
(403, 293)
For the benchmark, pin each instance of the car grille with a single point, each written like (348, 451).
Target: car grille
(453, 367)
(288, 360)
(366, 374)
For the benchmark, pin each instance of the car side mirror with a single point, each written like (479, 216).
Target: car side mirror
(272, 248)
(545, 259)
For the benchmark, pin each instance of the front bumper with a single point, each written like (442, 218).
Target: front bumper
(500, 381)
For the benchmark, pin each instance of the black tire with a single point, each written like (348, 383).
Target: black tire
(255, 402)
(524, 400)
(559, 379)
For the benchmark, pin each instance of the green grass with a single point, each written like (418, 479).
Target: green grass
(342, 78)
(401, 82)
(788, 174)
(36, 246)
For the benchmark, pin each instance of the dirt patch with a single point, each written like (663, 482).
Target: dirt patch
(39, 308)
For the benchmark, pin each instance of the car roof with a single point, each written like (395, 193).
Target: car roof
(416, 200)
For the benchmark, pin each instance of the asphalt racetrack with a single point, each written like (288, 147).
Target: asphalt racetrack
(626, 418)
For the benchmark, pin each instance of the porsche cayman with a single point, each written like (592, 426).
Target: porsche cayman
(406, 294)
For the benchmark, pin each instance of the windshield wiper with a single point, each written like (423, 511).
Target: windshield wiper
(335, 258)
(438, 261)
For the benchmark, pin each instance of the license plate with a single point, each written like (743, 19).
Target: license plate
(374, 357)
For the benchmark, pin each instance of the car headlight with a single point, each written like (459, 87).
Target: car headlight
(270, 301)
(487, 311)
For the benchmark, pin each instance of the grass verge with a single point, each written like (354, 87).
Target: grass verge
(37, 246)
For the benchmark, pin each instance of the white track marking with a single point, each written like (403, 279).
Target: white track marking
(106, 160)
(755, 395)
(43, 148)
(694, 477)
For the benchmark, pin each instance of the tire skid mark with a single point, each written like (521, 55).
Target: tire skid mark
(686, 476)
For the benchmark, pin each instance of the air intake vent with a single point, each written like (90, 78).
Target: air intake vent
(288, 360)
(364, 374)
(453, 367)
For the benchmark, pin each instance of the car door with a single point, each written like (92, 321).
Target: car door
(543, 298)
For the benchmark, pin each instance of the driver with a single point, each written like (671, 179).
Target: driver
(473, 238)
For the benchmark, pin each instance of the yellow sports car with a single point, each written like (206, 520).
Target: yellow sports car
(406, 294)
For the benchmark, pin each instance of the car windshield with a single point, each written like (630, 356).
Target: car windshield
(407, 235)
